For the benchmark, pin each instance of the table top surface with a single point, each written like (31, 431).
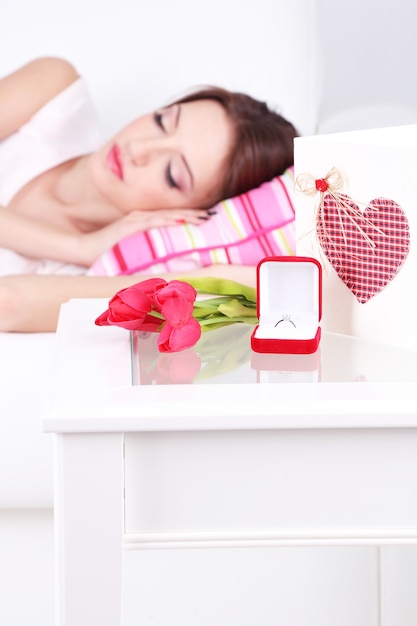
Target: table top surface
(108, 379)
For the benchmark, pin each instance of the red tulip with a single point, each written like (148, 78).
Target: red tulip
(130, 307)
(151, 286)
(173, 339)
(176, 301)
(170, 308)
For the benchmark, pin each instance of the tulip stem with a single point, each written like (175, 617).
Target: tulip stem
(224, 286)
(222, 319)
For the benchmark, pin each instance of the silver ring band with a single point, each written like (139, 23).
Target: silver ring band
(285, 318)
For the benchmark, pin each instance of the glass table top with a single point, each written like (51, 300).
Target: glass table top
(224, 355)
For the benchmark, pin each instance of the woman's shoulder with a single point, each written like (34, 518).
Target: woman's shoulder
(65, 127)
(52, 74)
(26, 90)
(47, 77)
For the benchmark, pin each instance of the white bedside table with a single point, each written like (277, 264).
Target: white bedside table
(259, 451)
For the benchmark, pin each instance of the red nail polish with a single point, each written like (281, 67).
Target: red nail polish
(180, 221)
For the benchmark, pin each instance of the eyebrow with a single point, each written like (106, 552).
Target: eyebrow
(187, 167)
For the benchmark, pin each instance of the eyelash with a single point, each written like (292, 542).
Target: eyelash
(168, 177)
(158, 120)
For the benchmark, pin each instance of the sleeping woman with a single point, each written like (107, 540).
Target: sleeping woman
(66, 196)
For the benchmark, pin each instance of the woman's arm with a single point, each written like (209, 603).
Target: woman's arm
(26, 90)
(32, 238)
(31, 303)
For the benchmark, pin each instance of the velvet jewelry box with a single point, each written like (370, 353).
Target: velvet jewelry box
(289, 296)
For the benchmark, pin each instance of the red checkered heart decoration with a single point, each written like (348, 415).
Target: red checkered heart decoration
(365, 248)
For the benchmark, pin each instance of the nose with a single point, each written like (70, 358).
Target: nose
(143, 151)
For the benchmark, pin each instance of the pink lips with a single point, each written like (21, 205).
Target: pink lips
(114, 162)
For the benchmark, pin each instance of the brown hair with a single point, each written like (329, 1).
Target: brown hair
(263, 140)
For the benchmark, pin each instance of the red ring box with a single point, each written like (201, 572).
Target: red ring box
(289, 296)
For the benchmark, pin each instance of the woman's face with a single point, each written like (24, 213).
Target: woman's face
(168, 159)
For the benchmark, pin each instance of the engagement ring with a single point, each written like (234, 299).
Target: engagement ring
(285, 318)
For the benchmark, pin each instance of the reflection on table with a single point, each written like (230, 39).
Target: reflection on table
(224, 355)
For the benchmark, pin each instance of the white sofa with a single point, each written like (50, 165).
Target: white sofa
(136, 54)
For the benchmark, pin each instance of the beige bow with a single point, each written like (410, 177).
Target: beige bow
(331, 184)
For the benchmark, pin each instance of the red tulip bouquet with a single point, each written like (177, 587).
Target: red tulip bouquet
(172, 309)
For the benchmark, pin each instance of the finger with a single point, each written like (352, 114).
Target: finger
(198, 217)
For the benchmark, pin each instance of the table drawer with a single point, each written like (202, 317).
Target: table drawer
(285, 481)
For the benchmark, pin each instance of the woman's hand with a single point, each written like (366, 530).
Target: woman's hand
(137, 221)
(97, 242)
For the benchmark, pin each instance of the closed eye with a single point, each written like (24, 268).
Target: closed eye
(169, 178)
(158, 121)
(168, 125)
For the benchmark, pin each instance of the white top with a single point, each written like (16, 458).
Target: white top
(65, 128)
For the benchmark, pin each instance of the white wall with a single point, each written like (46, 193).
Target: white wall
(369, 55)
(369, 49)
(135, 54)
